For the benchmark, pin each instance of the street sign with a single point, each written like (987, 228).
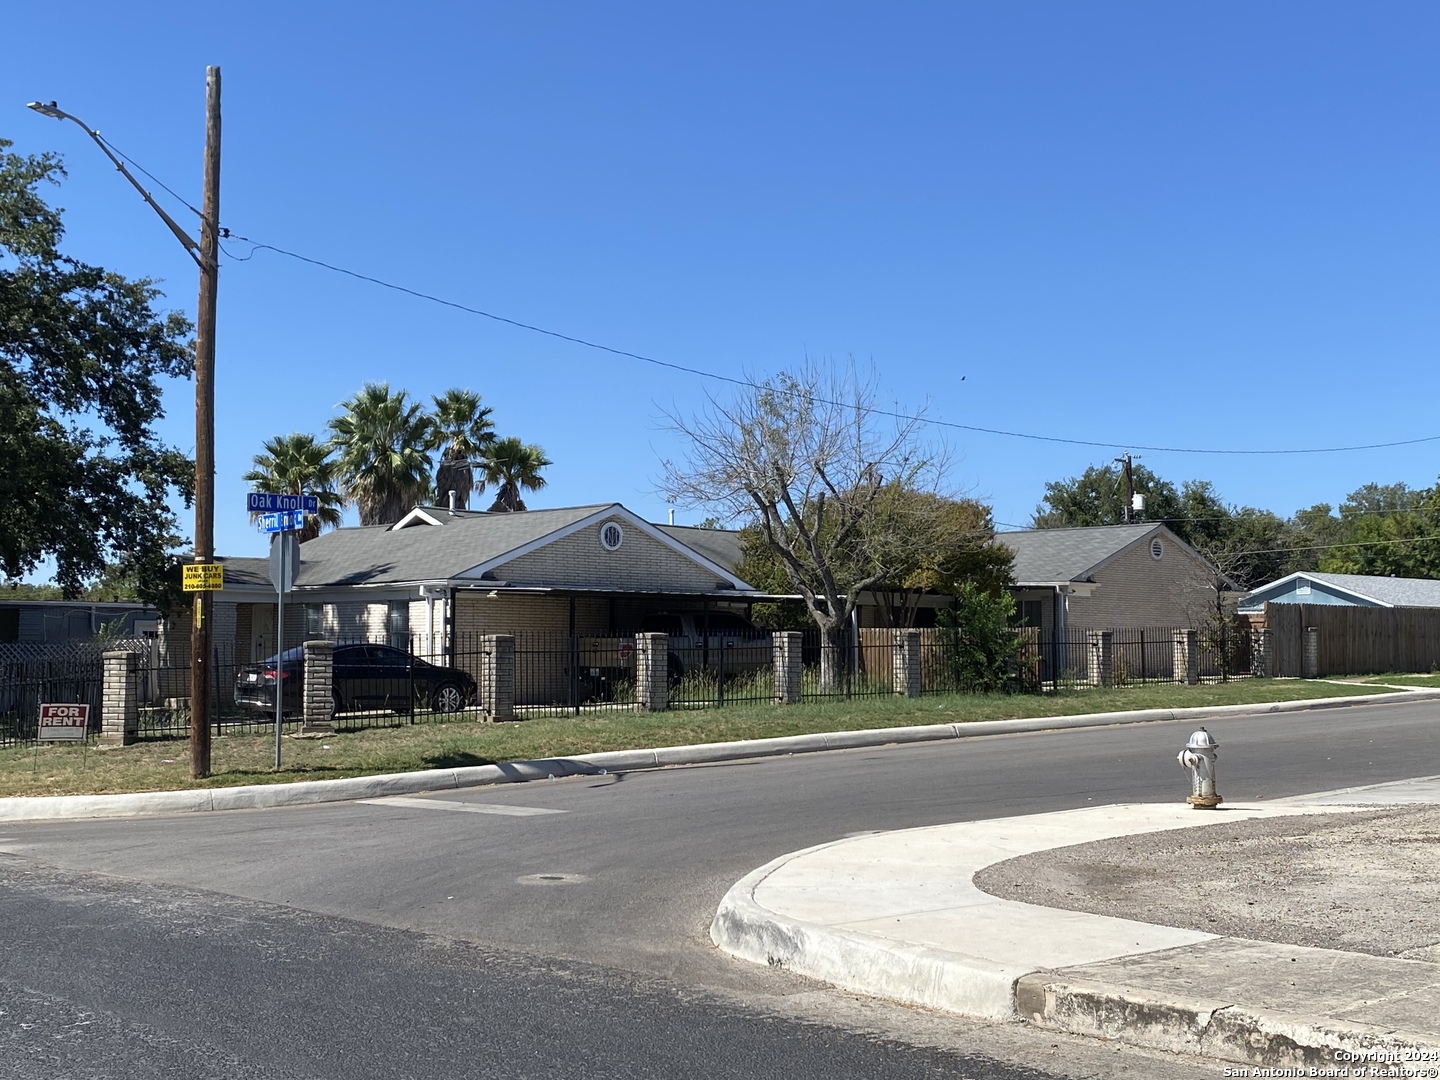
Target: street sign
(266, 502)
(60, 723)
(284, 561)
(282, 521)
(202, 577)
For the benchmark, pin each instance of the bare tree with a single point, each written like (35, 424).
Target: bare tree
(809, 457)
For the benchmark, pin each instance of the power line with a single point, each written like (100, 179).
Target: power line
(152, 176)
(418, 294)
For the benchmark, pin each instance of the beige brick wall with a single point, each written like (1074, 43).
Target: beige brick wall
(578, 559)
(1137, 590)
(541, 625)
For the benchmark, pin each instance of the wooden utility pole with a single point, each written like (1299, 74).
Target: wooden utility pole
(201, 660)
(1128, 514)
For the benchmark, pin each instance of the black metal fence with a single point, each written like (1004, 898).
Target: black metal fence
(557, 674)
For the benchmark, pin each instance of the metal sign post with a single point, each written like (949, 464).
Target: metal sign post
(284, 566)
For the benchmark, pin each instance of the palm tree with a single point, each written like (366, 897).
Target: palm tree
(463, 430)
(512, 466)
(298, 465)
(382, 440)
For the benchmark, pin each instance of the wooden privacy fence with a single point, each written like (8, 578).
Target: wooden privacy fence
(1354, 640)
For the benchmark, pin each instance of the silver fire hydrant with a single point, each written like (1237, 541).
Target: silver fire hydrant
(1199, 757)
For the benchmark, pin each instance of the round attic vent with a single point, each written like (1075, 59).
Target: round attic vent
(611, 536)
(1157, 549)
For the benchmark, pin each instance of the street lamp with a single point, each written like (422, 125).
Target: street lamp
(205, 255)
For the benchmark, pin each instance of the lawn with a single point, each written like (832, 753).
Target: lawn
(1432, 679)
(57, 769)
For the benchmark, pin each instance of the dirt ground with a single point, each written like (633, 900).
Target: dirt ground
(1362, 882)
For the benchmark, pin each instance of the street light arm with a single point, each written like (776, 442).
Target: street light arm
(180, 234)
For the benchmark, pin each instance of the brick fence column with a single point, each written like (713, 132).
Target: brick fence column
(120, 699)
(497, 677)
(1187, 657)
(652, 671)
(1102, 650)
(788, 672)
(1260, 653)
(318, 706)
(1311, 656)
(906, 673)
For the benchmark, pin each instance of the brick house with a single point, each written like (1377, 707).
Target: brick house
(438, 577)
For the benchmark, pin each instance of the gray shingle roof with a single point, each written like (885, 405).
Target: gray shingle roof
(246, 573)
(1045, 556)
(376, 555)
(720, 546)
(1397, 592)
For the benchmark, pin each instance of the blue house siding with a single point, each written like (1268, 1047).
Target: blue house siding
(1318, 593)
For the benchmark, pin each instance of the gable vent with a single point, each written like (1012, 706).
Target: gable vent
(611, 536)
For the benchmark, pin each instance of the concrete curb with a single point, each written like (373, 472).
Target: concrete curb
(306, 792)
(1216, 1028)
(856, 961)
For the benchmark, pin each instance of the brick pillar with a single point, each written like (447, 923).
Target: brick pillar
(652, 672)
(497, 677)
(1260, 653)
(120, 699)
(1187, 657)
(786, 652)
(1102, 667)
(906, 669)
(318, 705)
(1311, 668)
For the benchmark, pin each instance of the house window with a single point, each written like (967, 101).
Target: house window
(398, 622)
(314, 620)
(1032, 612)
(1157, 549)
(611, 536)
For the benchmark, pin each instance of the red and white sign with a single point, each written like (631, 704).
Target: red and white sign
(60, 722)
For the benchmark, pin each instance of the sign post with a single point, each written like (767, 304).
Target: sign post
(284, 566)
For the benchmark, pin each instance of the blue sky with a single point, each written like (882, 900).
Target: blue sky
(1206, 225)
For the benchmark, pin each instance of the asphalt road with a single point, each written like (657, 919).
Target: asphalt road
(574, 911)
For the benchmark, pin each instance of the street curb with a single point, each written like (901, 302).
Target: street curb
(308, 792)
(1216, 1028)
(856, 961)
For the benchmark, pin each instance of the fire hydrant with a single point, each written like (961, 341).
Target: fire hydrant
(1199, 757)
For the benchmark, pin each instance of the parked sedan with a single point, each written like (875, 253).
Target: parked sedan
(365, 677)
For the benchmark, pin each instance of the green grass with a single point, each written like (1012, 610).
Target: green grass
(1402, 680)
(248, 758)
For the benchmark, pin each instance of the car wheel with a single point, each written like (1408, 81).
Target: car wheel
(674, 669)
(447, 699)
(337, 703)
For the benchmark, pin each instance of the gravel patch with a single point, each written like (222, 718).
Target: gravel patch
(1363, 882)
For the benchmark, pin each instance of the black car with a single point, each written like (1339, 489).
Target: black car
(365, 677)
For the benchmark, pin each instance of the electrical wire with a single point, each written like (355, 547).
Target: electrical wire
(748, 384)
(121, 153)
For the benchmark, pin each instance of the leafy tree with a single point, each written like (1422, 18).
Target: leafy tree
(299, 465)
(1387, 530)
(463, 432)
(82, 350)
(382, 441)
(1097, 497)
(806, 457)
(512, 467)
(977, 640)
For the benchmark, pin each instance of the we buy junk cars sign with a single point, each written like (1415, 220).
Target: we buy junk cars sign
(60, 722)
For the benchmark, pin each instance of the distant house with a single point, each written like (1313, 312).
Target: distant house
(1110, 576)
(1346, 590)
(52, 622)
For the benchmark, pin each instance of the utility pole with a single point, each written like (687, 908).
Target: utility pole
(1127, 515)
(201, 661)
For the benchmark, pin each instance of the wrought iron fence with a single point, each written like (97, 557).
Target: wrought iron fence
(563, 674)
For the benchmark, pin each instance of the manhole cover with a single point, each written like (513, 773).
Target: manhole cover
(551, 879)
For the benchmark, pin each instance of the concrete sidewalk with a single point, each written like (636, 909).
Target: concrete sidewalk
(896, 915)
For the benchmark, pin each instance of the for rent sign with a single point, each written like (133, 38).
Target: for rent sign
(58, 722)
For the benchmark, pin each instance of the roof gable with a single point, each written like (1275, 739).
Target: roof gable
(1052, 556)
(1371, 589)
